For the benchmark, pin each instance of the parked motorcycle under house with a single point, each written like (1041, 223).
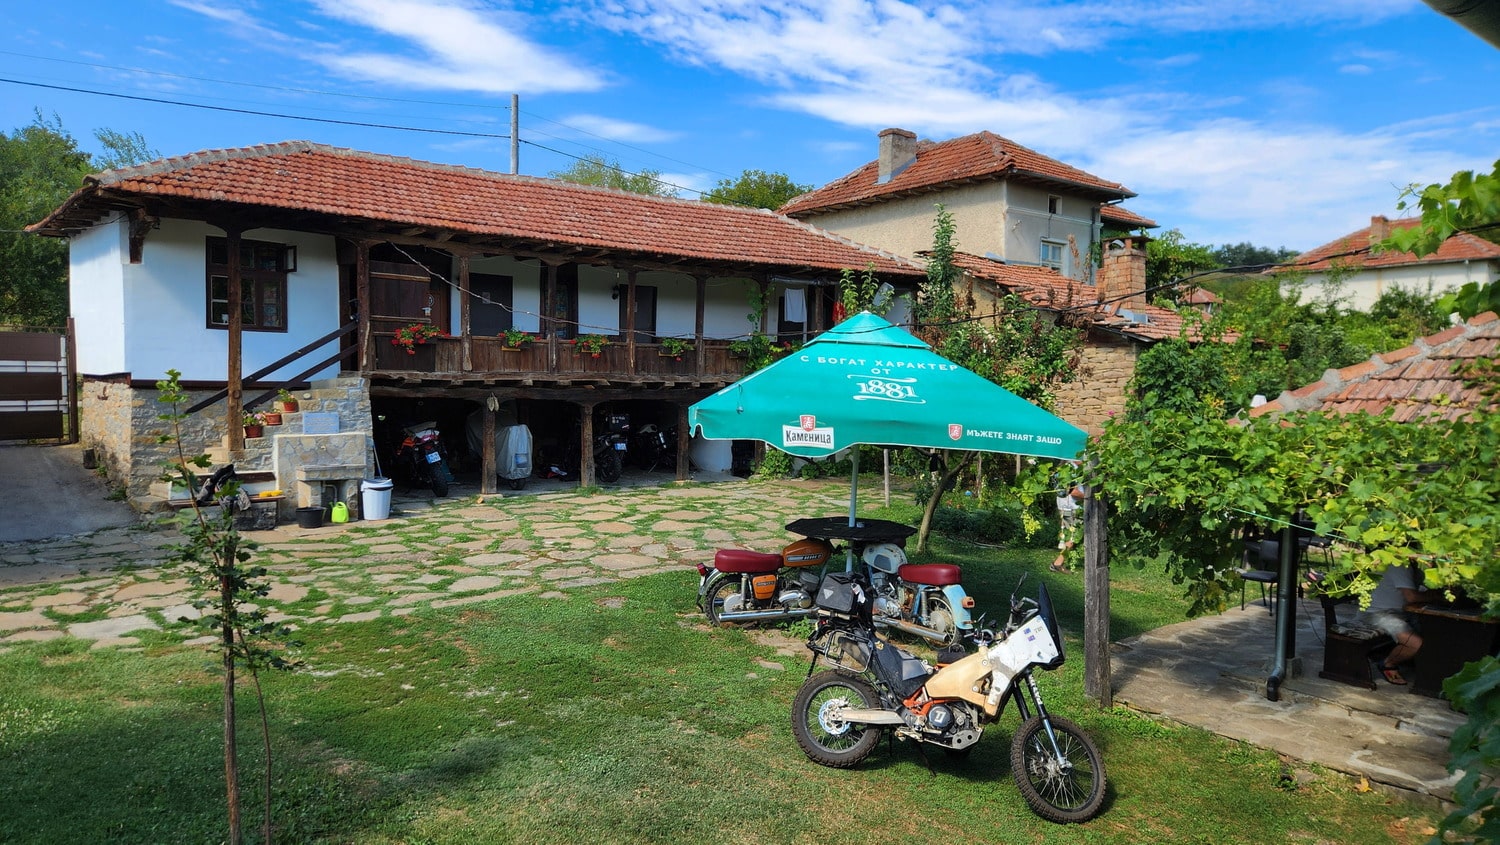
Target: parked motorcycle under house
(923, 600)
(839, 715)
(422, 456)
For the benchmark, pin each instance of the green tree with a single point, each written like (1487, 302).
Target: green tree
(607, 173)
(1246, 254)
(756, 189)
(1015, 346)
(40, 166)
(1171, 257)
(1468, 202)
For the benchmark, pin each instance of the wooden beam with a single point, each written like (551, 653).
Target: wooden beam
(463, 312)
(234, 408)
(366, 355)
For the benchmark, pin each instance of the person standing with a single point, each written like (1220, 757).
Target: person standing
(1069, 515)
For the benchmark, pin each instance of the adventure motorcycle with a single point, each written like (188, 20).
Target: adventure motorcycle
(609, 455)
(653, 446)
(422, 455)
(924, 600)
(839, 715)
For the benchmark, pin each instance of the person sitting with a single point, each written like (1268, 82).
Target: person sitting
(1398, 587)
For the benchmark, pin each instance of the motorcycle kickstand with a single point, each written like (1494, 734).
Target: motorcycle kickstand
(921, 752)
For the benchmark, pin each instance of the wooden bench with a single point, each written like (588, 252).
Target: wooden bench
(1349, 648)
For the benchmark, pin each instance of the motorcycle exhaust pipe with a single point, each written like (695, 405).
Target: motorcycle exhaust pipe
(763, 615)
(871, 716)
(913, 629)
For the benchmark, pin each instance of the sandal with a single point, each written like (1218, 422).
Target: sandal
(1392, 676)
(1057, 567)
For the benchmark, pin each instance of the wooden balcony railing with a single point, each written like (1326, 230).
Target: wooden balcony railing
(442, 358)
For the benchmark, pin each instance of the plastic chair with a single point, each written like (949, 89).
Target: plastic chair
(1261, 564)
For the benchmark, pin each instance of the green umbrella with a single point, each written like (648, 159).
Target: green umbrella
(867, 381)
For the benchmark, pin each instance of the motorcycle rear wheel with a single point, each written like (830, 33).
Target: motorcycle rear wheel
(823, 738)
(1064, 791)
(439, 481)
(940, 618)
(609, 467)
(720, 586)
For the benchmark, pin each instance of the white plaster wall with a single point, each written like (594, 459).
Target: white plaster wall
(711, 455)
(1360, 291)
(96, 290)
(1028, 224)
(726, 304)
(676, 302)
(163, 302)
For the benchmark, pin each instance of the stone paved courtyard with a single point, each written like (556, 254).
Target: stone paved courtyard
(111, 585)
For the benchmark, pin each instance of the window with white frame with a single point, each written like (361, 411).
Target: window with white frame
(1052, 255)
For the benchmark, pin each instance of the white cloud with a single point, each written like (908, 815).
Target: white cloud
(614, 129)
(459, 47)
(1356, 69)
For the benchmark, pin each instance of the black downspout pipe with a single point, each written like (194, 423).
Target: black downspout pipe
(1286, 612)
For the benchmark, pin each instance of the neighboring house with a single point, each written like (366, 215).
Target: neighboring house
(1007, 201)
(1365, 274)
(1415, 382)
(333, 240)
(1117, 321)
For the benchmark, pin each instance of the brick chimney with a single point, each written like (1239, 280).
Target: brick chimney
(1380, 228)
(1122, 272)
(898, 148)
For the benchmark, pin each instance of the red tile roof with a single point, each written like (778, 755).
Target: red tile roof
(1414, 382)
(1048, 289)
(1121, 217)
(1353, 250)
(343, 185)
(982, 156)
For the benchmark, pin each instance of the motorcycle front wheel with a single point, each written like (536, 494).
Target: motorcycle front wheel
(1062, 789)
(824, 738)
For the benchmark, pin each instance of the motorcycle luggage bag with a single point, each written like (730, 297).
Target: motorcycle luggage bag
(844, 594)
(901, 670)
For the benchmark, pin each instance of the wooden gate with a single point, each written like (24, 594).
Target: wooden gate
(35, 402)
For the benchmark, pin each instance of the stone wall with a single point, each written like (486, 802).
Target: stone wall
(1104, 371)
(122, 423)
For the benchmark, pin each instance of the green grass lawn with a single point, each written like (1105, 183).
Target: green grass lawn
(611, 715)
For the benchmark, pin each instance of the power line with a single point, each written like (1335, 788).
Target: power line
(254, 112)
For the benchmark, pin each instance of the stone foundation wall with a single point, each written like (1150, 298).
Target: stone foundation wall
(122, 424)
(1105, 369)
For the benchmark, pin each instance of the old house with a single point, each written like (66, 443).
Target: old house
(382, 289)
(1007, 202)
(1364, 273)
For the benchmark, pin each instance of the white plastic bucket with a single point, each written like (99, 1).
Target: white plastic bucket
(375, 495)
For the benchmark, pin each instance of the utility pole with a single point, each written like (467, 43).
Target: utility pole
(515, 134)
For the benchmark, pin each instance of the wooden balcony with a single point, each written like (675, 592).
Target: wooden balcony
(553, 361)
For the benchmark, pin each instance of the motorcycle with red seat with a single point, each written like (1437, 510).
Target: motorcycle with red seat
(925, 600)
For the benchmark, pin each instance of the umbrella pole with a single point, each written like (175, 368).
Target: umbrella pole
(853, 498)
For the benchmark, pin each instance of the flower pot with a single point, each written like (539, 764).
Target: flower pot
(310, 517)
(271, 417)
(252, 431)
(286, 406)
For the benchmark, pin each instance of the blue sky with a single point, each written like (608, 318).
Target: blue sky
(1279, 122)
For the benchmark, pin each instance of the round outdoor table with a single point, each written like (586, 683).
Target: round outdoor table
(862, 531)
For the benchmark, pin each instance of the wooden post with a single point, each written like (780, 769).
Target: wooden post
(684, 442)
(463, 313)
(629, 326)
(72, 370)
(1096, 683)
(548, 323)
(488, 471)
(365, 360)
(702, 354)
(586, 447)
(234, 404)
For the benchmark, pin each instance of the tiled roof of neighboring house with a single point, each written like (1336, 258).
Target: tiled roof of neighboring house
(982, 156)
(1199, 296)
(1045, 288)
(1120, 217)
(1413, 382)
(339, 186)
(1353, 250)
